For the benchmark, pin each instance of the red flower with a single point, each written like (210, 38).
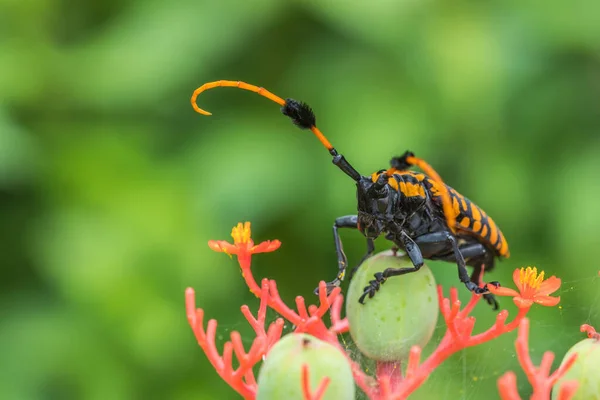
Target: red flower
(243, 246)
(540, 378)
(532, 288)
(591, 332)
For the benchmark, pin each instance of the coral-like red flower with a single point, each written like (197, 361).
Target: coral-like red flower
(243, 245)
(389, 382)
(540, 378)
(591, 332)
(532, 288)
(243, 248)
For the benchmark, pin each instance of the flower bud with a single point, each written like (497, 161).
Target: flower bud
(280, 376)
(585, 370)
(403, 313)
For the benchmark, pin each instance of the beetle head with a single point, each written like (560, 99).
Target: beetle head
(374, 205)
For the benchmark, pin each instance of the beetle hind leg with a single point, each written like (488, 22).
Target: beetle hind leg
(480, 258)
(481, 264)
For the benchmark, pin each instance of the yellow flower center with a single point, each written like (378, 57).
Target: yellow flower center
(241, 233)
(529, 277)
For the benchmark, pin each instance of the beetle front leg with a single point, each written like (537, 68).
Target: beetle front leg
(348, 221)
(370, 250)
(414, 253)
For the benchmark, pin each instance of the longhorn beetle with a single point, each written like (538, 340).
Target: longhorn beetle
(417, 212)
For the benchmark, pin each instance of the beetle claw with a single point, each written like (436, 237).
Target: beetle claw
(373, 287)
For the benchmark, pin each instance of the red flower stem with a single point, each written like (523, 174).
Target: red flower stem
(507, 387)
(454, 303)
(321, 389)
(274, 332)
(316, 327)
(196, 320)
(338, 325)
(306, 392)
(445, 310)
(590, 331)
(306, 319)
(211, 331)
(385, 389)
(414, 357)
(254, 323)
(238, 346)
(567, 390)
(362, 380)
(469, 307)
(227, 358)
(258, 324)
(522, 347)
(325, 300)
(301, 306)
(499, 328)
(249, 378)
(249, 279)
(244, 259)
(391, 371)
(562, 369)
(539, 377)
(206, 341)
(269, 295)
(312, 324)
(275, 302)
(546, 364)
(457, 337)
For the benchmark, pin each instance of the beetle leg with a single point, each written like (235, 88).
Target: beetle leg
(348, 221)
(463, 275)
(479, 258)
(484, 262)
(469, 251)
(414, 253)
(370, 250)
(489, 297)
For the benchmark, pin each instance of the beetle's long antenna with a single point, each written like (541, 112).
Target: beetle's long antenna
(300, 113)
(241, 85)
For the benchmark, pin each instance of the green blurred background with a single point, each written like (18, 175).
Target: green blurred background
(110, 184)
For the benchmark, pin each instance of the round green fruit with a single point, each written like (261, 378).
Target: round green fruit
(403, 313)
(586, 371)
(280, 376)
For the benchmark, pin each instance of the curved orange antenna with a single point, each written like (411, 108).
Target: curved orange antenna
(321, 138)
(238, 84)
(446, 201)
(258, 90)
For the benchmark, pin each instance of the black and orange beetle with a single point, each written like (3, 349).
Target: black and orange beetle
(417, 212)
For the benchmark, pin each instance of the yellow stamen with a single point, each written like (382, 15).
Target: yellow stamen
(529, 277)
(241, 233)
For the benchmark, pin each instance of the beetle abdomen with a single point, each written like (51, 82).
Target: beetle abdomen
(472, 219)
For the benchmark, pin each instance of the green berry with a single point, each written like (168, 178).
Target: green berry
(586, 370)
(280, 376)
(403, 313)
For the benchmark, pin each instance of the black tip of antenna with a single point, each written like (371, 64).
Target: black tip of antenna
(300, 113)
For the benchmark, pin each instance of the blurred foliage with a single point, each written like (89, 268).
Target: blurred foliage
(111, 185)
